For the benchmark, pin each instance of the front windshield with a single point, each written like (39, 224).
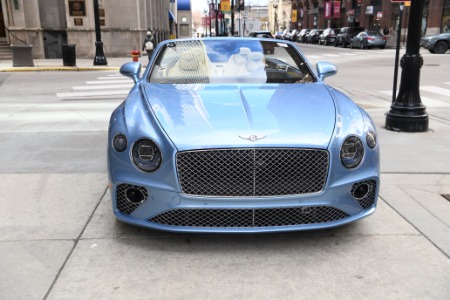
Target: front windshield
(229, 61)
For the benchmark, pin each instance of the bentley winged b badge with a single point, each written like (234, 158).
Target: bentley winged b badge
(252, 137)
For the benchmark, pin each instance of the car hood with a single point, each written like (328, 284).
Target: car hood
(215, 116)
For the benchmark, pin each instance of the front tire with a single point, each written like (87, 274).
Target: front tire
(361, 46)
(440, 47)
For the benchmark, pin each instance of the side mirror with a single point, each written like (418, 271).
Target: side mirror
(325, 69)
(132, 70)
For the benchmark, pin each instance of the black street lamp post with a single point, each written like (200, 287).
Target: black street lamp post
(232, 17)
(397, 51)
(407, 112)
(100, 59)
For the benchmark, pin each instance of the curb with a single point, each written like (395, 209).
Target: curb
(57, 68)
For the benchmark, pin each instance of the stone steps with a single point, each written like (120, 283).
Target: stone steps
(5, 51)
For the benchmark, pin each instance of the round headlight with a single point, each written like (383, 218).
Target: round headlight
(371, 139)
(120, 142)
(352, 152)
(146, 155)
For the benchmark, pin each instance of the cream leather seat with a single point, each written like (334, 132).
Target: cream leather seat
(191, 67)
(245, 67)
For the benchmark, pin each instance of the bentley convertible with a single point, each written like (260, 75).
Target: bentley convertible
(239, 135)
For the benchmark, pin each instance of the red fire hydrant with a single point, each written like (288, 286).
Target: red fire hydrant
(135, 55)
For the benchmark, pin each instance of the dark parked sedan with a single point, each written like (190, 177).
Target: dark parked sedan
(436, 43)
(261, 34)
(328, 36)
(313, 36)
(368, 39)
(301, 37)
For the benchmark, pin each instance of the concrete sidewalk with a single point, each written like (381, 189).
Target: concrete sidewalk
(66, 244)
(82, 64)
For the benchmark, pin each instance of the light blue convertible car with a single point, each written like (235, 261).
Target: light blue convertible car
(239, 135)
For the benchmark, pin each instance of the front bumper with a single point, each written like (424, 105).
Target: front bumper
(171, 211)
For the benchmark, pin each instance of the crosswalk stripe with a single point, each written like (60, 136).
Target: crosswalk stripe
(92, 93)
(109, 81)
(435, 90)
(111, 77)
(429, 102)
(330, 55)
(348, 54)
(314, 56)
(94, 87)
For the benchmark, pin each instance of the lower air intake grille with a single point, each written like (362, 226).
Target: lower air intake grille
(369, 199)
(268, 217)
(123, 204)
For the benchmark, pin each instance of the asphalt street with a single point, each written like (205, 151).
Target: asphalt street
(60, 240)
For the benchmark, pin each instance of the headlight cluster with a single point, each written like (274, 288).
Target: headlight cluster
(145, 153)
(352, 149)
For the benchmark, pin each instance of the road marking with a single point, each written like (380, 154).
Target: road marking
(331, 55)
(314, 56)
(109, 81)
(111, 77)
(94, 87)
(425, 100)
(435, 90)
(92, 93)
(348, 54)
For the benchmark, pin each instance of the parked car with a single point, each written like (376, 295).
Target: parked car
(346, 34)
(261, 34)
(290, 34)
(328, 36)
(368, 39)
(278, 35)
(313, 36)
(284, 34)
(438, 43)
(216, 136)
(301, 37)
(264, 34)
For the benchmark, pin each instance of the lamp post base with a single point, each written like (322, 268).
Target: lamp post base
(407, 122)
(100, 59)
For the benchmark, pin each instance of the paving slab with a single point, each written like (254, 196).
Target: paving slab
(48, 206)
(28, 268)
(256, 267)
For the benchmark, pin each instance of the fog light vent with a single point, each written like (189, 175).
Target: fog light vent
(364, 192)
(129, 197)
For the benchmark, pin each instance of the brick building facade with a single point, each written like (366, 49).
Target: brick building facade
(370, 14)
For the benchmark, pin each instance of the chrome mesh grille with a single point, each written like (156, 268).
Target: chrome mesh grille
(252, 172)
(369, 199)
(122, 203)
(239, 218)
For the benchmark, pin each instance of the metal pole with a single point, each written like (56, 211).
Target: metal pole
(232, 17)
(216, 12)
(397, 53)
(100, 59)
(209, 18)
(407, 113)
